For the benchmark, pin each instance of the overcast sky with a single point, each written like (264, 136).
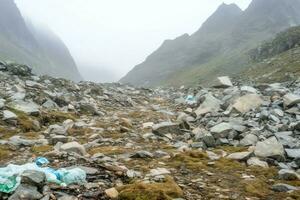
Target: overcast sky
(107, 38)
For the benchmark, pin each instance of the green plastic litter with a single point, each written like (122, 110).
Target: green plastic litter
(8, 184)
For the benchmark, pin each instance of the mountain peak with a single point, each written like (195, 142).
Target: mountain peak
(224, 16)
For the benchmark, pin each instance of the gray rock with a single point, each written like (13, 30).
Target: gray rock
(286, 139)
(8, 115)
(209, 105)
(34, 178)
(247, 102)
(249, 89)
(50, 105)
(281, 187)
(164, 128)
(73, 147)
(19, 141)
(254, 161)
(223, 82)
(288, 175)
(209, 140)
(27, 107)
(57, 130)
(142, 154)
(240, 156)
(293, 153)
(269, 148)
(291, 99)
(26, 192)
(58, 138)
(249, 140)
(221, 130)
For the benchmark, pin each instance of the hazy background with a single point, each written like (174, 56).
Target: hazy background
(107, 38)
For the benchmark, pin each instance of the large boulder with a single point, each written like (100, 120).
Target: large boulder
(247, 102)
(209, 105)
(73, 147)
(28, 107)
(221, 130)
(270, 148)
(223, 82)
(291, 99)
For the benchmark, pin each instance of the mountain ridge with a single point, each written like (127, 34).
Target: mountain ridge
(207, 54)
(42, 50)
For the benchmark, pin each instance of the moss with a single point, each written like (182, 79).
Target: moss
(151, 191)
(6, 133)
(5, 153)
(56, 117)
(109, 150)
(41, 149)
(31, 135)
(194, 160)
(25, 122)
(257, 188)
(231, 149)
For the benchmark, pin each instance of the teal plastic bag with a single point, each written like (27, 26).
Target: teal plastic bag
(9, 184)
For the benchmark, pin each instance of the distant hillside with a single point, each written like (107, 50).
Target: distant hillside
(39, 48)
(276, 60)
(219, 47)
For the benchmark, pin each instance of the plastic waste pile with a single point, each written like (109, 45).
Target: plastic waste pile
(10, 176)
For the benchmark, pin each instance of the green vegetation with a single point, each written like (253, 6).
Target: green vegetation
(151, 191)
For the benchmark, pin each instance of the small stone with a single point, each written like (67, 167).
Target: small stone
(254, 161)
(240, 156)
(288, 175)
(249, 140)
(8, 115)
(142, 154)
(223, 82)
(291, 99)
(281, 187)
(293, 153)
(112, 193)
(164, 128)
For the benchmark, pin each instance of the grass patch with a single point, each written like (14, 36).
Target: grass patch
(151, 191)
(56, 117)
(5, 153)
(6, 133)
(39, 150)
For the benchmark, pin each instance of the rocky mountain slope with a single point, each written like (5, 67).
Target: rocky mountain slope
(112, 141)
(40, 48)
(276, 60)
(219, 47)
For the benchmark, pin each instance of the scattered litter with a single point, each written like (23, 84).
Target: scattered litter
(10, 176)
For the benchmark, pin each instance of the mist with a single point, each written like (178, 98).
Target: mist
(108, 38)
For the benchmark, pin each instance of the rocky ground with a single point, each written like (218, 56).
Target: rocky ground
(226, 142)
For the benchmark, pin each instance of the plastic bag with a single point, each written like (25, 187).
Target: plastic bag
(190, 100)
(9, 184)
(72, 176)
(10, 176)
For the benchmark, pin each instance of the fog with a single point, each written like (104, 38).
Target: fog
(107, 38)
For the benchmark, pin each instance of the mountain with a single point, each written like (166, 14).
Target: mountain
(276, 60)
(40, 48)
(219, 47)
